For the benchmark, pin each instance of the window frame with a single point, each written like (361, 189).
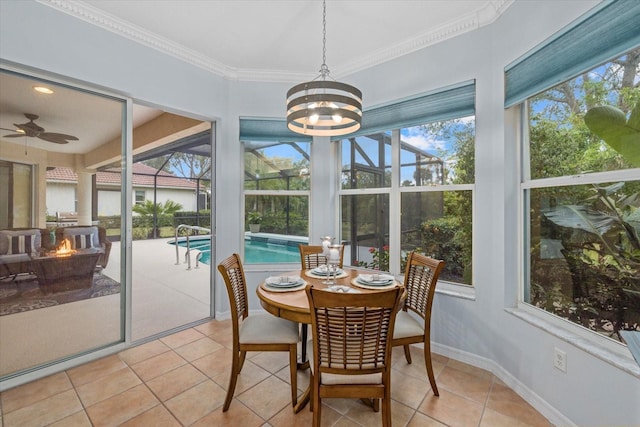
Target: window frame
(395, 191)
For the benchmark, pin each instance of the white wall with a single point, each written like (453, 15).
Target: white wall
(592, 392)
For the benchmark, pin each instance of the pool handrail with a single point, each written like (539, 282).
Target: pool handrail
(188, 254)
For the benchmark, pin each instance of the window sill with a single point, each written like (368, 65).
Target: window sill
(456, 291)
(621, 361)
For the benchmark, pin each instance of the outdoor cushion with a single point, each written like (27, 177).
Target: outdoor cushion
(82, 237)
(6, 240)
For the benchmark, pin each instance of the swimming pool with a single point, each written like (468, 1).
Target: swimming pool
(255, 252)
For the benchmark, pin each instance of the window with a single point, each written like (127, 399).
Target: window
(580, 186)
(421, 198)
(276, 192)
(140, 197)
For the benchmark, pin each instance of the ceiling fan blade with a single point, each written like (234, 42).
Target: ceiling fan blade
(14, 135)
(52, 138)
(59, 136)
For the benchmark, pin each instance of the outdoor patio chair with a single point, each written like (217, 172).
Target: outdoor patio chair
(351, 347)
(261, 332)
(420, 279)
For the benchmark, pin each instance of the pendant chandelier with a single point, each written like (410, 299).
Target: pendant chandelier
(323, 106)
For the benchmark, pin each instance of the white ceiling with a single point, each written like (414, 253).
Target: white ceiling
(282, 39)
(270, 40)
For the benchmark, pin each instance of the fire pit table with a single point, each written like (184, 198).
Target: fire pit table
(73, 270)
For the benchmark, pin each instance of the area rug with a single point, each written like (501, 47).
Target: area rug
(24, 294)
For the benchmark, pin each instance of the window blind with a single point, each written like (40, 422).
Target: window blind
(604, 33)
(443, 104)
(264, 129)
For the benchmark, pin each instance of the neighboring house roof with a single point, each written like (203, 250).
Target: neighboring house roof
(143, 176)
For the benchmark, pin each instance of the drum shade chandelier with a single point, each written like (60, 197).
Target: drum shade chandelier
(323, 106)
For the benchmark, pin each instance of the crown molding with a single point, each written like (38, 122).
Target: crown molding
(475, 19)
(488, 13)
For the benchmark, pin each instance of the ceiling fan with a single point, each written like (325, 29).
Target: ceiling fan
(32, 130)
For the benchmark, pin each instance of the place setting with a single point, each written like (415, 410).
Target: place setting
(374, 281)
(283, 283)
(323, 271)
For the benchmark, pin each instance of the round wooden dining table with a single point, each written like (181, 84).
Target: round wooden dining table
(293, 304)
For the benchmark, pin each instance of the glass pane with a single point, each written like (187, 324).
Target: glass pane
(365, 230)
(60, 281)
(438, 153)
(585, 255)
(275, 226)
(438, 224)
(580, 127)
(366, 161)
(276, 166)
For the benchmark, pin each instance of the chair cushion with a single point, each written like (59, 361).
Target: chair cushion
(406, 326)
(6, 241)
(268, 329)
(82, 237)
(333, 379)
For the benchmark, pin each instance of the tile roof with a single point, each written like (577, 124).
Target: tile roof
(142, 176)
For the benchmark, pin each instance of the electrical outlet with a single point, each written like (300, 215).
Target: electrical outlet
(560, 359)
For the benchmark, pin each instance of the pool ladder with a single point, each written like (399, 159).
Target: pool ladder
(187, 255)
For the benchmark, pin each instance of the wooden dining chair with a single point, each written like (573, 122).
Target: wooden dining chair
(350, 353)
(311, 256)
(262, 332)
(420, 278)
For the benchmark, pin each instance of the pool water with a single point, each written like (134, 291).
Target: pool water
(254, 252)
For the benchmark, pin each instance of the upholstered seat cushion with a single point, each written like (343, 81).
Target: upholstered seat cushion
(267, 329)
(406, 326)
(333, 379)
(82, 237)
(20, 242)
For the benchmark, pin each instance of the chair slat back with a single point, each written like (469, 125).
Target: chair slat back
(311, 256)
(233, 274)
(420, 279)
(352, 332)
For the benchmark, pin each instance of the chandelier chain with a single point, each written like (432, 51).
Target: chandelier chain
(324, 69)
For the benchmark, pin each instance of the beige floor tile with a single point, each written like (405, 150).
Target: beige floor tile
(421, 420)
(237, 415)
(268, 397)
(79, 419)
(217, 366)
(181, 338)
(452, 409)
(408, 390)
(464, 384)
(346, 422)
(365, 415)
(215, 328)
(158, 365)
(197, 349)
(94, 370)
(175, 382)
(107, 386)
(304, 418)
(342, 406)
(469, 369)
(25, 395)
(271, 361)
(122, 407)
(157, 416)
(302, 375)
(417, 368)
(196, 402)
(507, 402)
(492, 418)
(143, 352)
(45, 411)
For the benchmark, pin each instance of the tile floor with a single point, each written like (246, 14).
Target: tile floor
(180, 380)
